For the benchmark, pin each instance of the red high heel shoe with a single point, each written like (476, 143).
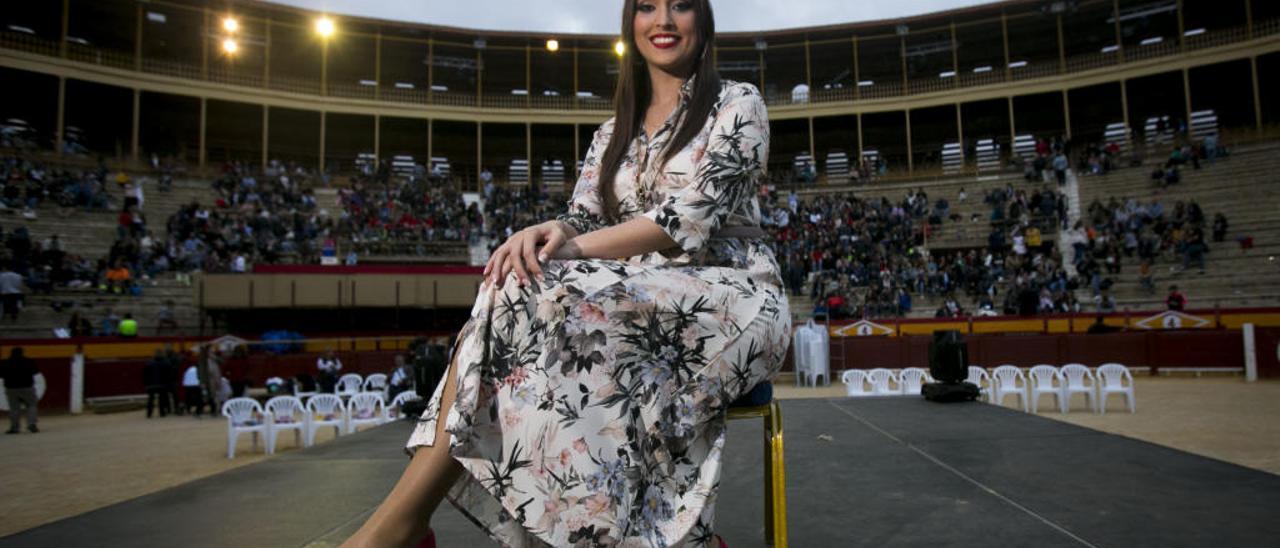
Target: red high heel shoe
(722, 542)
(429, 541)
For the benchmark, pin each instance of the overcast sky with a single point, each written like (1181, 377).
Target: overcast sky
(601, 16)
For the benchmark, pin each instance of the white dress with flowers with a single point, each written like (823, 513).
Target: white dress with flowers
(591, 407)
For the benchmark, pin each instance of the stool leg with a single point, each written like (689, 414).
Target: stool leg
(778, 478)
(768, 480)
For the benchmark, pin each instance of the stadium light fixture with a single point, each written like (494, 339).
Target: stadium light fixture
(982, 69)
(866, 83)
(553, 45)
(947, 74)
(230, 24)
(620, 48)
(157, 17)
(1017, 64)
(1194, 32)
(324, 27)
(230, 47)
(1151, 41)
(1111, 49)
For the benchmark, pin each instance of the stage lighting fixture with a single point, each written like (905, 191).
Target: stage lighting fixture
(553, 45)
(620, 48)
(324, 27)
(230, 25)
(230, 46)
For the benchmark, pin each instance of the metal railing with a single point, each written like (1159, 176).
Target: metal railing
(882, 88)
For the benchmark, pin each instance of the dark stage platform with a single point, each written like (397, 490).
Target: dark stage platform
(896, 472)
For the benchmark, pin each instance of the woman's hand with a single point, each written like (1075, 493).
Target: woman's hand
(520, 253)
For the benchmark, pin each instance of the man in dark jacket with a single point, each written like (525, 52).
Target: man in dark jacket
(153, 378)
(19, 373)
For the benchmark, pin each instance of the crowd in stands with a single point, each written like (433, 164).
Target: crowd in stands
(867, 258)
(26, 185)
(856, 257)
(509, 210)
(403, 215)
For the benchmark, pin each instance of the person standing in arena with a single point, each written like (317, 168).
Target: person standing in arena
(585, 402)
(19, 374)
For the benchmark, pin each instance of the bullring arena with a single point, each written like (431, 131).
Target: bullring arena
(215, 202)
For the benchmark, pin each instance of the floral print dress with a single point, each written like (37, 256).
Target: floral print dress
(590, 407)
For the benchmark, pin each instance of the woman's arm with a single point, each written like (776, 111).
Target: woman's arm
(635, 237)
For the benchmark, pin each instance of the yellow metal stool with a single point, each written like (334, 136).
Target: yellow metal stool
(775, 483)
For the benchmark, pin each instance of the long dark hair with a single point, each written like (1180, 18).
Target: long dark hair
(633, 94)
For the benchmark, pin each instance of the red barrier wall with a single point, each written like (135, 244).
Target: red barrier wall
(103, 378)
(1203, 348)
(1267, 345)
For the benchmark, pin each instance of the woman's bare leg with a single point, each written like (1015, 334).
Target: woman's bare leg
(402, 519)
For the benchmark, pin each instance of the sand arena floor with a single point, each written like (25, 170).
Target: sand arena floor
(79, 463)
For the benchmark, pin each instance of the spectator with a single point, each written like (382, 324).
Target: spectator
(11, 291)
(128, 327)
(1219, 227)
(19, 374)
(401, 378)
(1106, 302)
(192, 391)
(153, 378)
(1194, 249)
(210, 377)
(1175, 301)
(328, 365)
(110, 324)
(1060, 165)
(166, 318)
(172, 377)
(79, 326)
(119, 278)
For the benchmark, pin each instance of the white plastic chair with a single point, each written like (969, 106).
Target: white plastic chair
(285, 413)
(348, 385)
(855, 383)
(911, 380)
(1077, 379)
(1006, 380)
(243, 415)
(1045, 379)
(365, 409)
(1111, 380)
(376, 382)
(880, 379)
(395, 409)
(980, 378)
(325, 410)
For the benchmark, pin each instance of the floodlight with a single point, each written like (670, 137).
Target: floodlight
(324, 27)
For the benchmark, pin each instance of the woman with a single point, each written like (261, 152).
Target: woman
(585, 401)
